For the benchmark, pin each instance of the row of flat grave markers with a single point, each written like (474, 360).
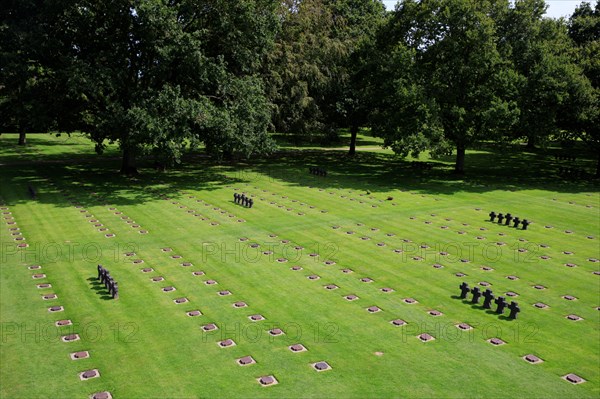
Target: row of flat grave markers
(241, 199)
(111, 285)
(488, 298)
(317, 171)
(506, 219)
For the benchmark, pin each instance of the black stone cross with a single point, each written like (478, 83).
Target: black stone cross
(464, 290)
(476, 294)
(501, 304)
(492, 216)
(516, 221)
(487, 294)
(525, 223)
(508, 219)
(500, 218)
(514, 309)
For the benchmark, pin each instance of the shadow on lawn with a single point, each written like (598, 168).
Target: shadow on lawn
(99, 288)
(507, 168)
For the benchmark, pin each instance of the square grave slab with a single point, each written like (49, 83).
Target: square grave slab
(169, 289)
(101, 395)
(53, 309)
(147, 270)
(496, 341)
(256, 317)
(321, 366)
(79, 355)
(573, 379)
(46, 285)
(245, 361)
(60, 323)
(435, 313)
(224, 293)
(276, 332)
(209, 327)
(410, 301)
(533, 359)
(425, 337)
(398, 322)
(574, 317)
(70, 338)
(464, 326)
(267, 380)
(351, 297)
(297, 348)
(194, 313)
(89, 374)
(366, 280)
(373, 309)
(226, 343)
(210, 282)
(180, 300)
(157, 279)
(313, 277)
(386, 289)
(331, 287)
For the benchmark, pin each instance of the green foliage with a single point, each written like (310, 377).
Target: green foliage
(450, 82)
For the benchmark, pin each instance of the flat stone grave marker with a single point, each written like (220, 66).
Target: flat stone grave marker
(398, 322)
(267, 380)
(246, 361)
(297, 348)
(79, 355)
(256, 317)
(496, 341)
(86, 375)
(574, 379)
(321, 366)
(194, 313)
(210, 327)
(533, 359)
(464, 326)
(425, 337)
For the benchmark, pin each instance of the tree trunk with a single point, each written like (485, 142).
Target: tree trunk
(128, 166)
(22, 135)
(530, 142)
(598, 167)
(353, 134)
(459, 167)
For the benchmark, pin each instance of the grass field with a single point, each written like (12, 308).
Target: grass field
(144, 344)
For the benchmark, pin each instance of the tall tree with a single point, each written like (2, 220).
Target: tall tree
(313, 69)
(550, 82)
(584, 29)
(25, 71)
(156, 75)
(449, 84)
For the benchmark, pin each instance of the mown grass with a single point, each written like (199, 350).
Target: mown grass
(144, 344)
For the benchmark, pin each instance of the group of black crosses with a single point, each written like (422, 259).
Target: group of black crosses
(243, 200)
(488, 297)
(508, 218)
(317, 171)
(110, 284)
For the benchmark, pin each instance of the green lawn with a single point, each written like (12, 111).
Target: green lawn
(144, 345)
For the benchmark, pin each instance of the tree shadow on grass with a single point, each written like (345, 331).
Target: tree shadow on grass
(487, 169)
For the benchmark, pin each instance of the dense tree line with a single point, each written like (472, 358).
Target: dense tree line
(161, 76)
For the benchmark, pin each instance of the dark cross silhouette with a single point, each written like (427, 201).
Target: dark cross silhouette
(501, 304)
(100, 268)
(508, 219)
(525, 223)
(487, 294)
(514, 309)
(464, 290)
(476, 294)
(500, 218)
(492, 216)
(516, 221)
